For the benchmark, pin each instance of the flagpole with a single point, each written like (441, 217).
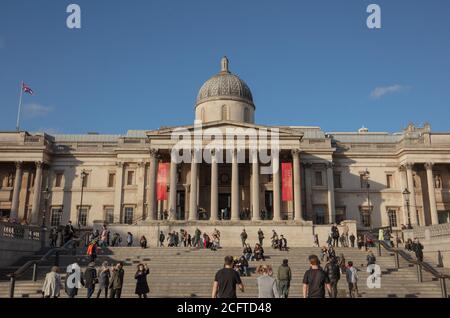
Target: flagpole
(20, 106)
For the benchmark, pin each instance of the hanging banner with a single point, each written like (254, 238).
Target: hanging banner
(286, 181)
(161, 181)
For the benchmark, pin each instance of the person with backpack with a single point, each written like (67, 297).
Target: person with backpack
(334, 274)
(90, 279)
(284, 278)
(315, 280)
(244, 237)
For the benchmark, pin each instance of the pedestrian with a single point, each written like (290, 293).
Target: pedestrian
(261, 237)
(226, 280)
(335, 235)
(284, 277)
(334, 274)
(197, 238)
(352, 280)
(52, 284)
(90, 279)
(341, 263)
(316, 240)
(189, 240)
(92, 250)
(360, 241)
(352, 240)
(315, 280)
(267, 285)
(162, 238)
(243, 237)
(69, 232)
(129, 239)
(103, 275)
(104, 237)
(141, 281)
(53, 237)
(283, 243)
(371, 259)
(417, 248)
(143, 242)
(116, 282)
(116, 240)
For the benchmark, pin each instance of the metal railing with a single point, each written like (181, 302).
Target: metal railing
(420, 265)
(70, 245)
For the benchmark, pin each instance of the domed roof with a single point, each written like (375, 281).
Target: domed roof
(225, 86)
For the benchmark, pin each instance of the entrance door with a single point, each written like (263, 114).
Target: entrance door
(224, 204)
(269, 205)
(180, 205)
(444, 217)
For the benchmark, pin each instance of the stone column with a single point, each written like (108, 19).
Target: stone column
(14, 215)
(403, 186)
(140, 180)
(214, 188)
(298, 213)
(118, 192)
(152, 203)
(37, 194)
(255, 186)
(431, 193)
(308, 190)
(173, 191)
(193, 193)
(330, 184)
(276, 189)
(235, 213)
(412, 196)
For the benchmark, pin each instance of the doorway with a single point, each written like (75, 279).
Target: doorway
(268, 200)
(181, 195)
(224, 206)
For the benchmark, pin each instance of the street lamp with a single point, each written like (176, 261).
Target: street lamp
(406, 194)
(83, 177)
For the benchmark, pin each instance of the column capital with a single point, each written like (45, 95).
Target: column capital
(141, 164)
(295, 152)
(18, 164)
(154, 152)
(429, 165)
(402, 168)
(409, 165)
(330, 164)
(119, 164)
(39, 164)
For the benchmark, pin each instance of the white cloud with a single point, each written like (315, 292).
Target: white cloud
(381, 91)
(35, 110)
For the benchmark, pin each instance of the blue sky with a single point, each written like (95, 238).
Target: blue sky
(139, 64)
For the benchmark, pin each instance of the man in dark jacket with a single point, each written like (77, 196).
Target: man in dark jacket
(116, 281)
(69, 232)
(284, 279)
(162, 238)
(260, 236)
(244, 237)
(90, 279)
(334, 274)
(417, 248)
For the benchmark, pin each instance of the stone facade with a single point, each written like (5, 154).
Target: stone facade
(112, 178)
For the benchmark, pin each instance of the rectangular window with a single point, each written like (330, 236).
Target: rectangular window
(130, 178)
(365, 217)
(340, 214)
(128, 215)
(389, 181)
(111, 180)
(337, 180)
(82, 216)
(318, 178)
(319, 213)
(58, 179)
(392, 215)
(56, 216)
(109, 214)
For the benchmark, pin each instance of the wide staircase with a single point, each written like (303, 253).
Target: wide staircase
(189, 272)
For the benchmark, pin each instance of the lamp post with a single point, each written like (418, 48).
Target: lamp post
(46, 199)
(406, 194)
(366, 177)
(83, 177)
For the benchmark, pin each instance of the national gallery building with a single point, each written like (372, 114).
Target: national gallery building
(371, 178)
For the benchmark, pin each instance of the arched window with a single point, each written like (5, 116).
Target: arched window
(224, 112)
(246, 115)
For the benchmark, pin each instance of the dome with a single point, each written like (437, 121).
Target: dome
(225, 86)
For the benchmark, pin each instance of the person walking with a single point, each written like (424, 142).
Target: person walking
(52, 284)
(335, 235)
(103, 275)
(267, 285)
(74, 280)
(129, 239)
(162, 238)
(143, 242)
(244, 237)
(371, 259)
(116, 282)
(334, 274)
(352, 240)
(142, 288)
(90, 279)
(261, 237)
(226, 280)
(352, 280)
(197, 238)
(315, 280)
(284, 278)
(417, 248)
(92, 250)
(316, 240)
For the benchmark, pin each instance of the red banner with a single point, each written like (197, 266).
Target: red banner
(161, 181)
(286, 181)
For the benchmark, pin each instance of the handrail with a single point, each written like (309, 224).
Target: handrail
(34, 263)
(419, 264)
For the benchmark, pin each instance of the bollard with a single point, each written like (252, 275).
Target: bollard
(34, 272)
(443, 287)
(419, 273)
(12, 286)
